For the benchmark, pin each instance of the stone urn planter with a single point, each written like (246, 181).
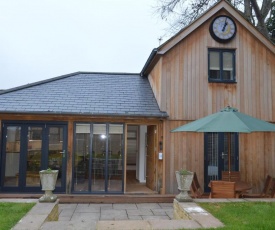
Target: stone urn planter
(184, 180)
(48, 180)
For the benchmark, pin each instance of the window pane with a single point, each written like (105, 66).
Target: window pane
(115, 169)
(98, 159)
(232, 153)
(81, 157)
(227, 66)
(12, 156)
(55, 154)
(212, 152)
(34, 156)
(214, 65)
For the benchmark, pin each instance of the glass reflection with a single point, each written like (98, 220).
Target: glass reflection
(81, 158)
(34, 156)
(12, 156)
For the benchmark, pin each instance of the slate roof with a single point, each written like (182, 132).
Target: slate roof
(111, 94)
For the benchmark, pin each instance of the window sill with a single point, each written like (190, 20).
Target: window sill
(219, 81)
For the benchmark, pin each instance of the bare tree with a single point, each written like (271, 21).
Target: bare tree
(179, 13)
(270, 23)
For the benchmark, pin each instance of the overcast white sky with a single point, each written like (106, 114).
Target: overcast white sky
(41, 39)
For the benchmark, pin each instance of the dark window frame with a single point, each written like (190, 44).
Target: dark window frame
(107, 158)
(221, 79)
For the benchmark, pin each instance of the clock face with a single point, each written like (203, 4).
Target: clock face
(223, 28)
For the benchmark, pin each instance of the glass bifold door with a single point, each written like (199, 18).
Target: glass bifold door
(29, 148)
(98, 158)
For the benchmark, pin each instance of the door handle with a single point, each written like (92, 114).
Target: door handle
(63, 153)
(223, 154)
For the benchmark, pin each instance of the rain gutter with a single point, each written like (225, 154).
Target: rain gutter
(150, 63)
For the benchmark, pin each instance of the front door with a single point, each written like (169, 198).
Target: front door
(220, 155)
(150, 157)
(29, 148)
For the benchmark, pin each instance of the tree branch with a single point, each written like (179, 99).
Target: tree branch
(261, 24)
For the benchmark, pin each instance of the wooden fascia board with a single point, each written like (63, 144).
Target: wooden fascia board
(78, 118)
(193, 26)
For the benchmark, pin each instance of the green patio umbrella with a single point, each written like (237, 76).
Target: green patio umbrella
(228, 120)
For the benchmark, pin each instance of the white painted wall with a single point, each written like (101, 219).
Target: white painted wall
(141, 156)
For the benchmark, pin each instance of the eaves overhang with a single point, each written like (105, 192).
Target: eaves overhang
(126, 114)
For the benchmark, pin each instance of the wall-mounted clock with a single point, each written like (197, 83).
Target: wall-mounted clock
(223, 28)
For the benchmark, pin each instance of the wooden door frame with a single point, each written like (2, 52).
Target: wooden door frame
(154, 149)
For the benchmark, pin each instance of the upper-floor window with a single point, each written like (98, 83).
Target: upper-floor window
(221, 65)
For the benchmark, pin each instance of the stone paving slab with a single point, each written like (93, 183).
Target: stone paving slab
(123, 225)
(67, 206)
(85, 216)
(134, 217)
(19, 200)
(206, 220)
(174, 224)
(41, 209)
(148, 206)
(30, 222)
(155, 217)
(170, 214)
(140, 212)
(70, 225)
(87, 209)
(161, 212)
(147, 225)
(125, 206)
(64, 218)
(66, 212)
(166, 205)
(113, 214)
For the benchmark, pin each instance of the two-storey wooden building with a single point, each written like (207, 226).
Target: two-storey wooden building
(99, 128)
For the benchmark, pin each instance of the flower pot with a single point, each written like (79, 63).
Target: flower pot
(48, 180)
(184, 181)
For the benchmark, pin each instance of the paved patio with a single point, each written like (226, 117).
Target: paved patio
(87, 216)
(146, 216)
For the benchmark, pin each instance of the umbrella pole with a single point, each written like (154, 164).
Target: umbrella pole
(229, 155)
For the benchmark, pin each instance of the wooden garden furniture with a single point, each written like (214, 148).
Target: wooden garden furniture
(196, 190)
(266, 192)
(222, 189)
(231, 176)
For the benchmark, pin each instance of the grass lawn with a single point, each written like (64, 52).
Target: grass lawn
(11, 213)
(243, 215)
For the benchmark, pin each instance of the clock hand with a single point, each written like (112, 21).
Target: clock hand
(225, 24)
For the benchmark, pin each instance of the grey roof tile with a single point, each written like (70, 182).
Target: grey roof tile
(85, 93)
